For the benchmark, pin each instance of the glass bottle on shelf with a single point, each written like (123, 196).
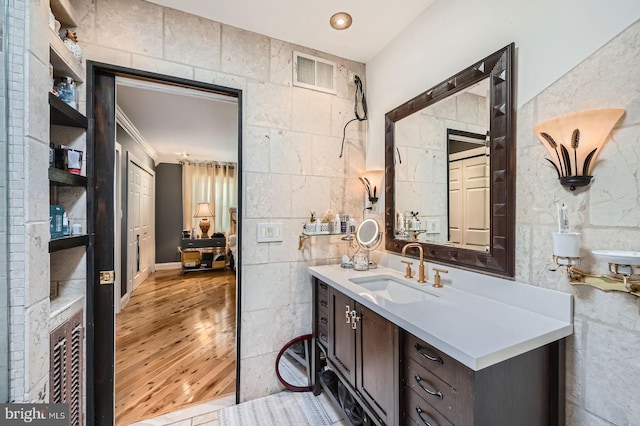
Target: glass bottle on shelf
(67, 91)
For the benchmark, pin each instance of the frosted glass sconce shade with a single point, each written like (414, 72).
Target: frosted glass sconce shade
(574, 141)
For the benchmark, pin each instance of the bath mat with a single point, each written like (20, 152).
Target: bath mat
(281, 409)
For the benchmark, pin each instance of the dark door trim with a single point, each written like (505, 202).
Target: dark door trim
(100, 163)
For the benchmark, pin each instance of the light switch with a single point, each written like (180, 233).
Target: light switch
(433, 226)
(269, 232)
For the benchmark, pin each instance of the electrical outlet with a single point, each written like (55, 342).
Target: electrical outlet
(352, 77)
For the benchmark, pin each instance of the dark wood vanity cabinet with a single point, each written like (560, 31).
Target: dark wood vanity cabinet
(402, 380)
(524, 390)
(364, 352)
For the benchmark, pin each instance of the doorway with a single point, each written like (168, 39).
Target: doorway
(101, 147)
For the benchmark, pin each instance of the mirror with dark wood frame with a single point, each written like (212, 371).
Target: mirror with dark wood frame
(293, 366)
(493, 250)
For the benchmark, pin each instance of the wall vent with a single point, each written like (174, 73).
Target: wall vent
(65, 372)
(314, 73)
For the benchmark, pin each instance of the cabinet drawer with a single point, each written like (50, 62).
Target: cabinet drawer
(418, 412)
(431, 389)
(323, 303)
(323, 289)
(323, 336)
(432, 359)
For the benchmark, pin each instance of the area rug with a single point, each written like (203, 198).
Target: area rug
(281, 409)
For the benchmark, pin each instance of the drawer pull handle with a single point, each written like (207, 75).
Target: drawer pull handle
(429, 357)
(323, 286)
(437, 394)
(323, 337)
(324, 303)
(324, 321)
(419, 411)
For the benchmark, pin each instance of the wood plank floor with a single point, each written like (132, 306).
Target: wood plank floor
(175, 343)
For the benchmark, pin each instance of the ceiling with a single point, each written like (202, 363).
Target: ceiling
(175, 120)
(375, 23)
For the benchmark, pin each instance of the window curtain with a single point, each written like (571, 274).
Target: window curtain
(215, 183)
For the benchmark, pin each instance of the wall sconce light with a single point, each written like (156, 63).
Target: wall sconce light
(372, 181)
(204, 211)
(574, 142)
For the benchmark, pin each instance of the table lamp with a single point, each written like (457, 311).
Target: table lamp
(204, 211)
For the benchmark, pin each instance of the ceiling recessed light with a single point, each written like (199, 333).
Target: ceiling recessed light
(340, 21)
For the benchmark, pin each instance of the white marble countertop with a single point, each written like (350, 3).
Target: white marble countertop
(477, 330)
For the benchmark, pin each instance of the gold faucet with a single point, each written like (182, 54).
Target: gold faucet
(437, 280)
(421, 277)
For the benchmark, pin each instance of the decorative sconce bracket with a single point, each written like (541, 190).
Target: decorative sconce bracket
(624, 278)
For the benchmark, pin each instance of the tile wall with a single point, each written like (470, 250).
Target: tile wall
(601, 370)
(291, 166)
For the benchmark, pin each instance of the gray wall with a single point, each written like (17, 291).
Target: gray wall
(168, 211)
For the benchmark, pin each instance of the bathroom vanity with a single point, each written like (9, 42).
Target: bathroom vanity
(410, 354)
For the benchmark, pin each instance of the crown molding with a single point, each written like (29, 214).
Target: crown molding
(130, 128)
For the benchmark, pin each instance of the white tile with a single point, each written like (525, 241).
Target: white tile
(134, 26)
(268, 105)
(611, 366)
(191, 39)
(245, 53)
(281, 63)
(311, 111)
(265, 286)
(290, 152)
(259, 376)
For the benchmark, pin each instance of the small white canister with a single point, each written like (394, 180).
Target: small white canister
(566, 247)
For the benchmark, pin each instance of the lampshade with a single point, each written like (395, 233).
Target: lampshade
(203, 210)
(574, 141)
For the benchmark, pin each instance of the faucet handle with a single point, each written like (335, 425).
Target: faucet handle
(409, 272)
(437, 280)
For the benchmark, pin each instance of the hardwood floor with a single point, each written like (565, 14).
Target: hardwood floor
(175, 343)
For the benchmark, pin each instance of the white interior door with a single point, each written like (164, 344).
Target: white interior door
(140, 224)
(475, 184)
(469, 218)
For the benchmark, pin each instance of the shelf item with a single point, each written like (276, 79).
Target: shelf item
(306, 235)
(64, 13)
(620, 257)
(68, 242)
(65, 115)
(63, 61)
(63, 178)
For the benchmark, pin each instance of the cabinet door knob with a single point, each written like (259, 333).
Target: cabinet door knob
(429, 357)
(354, 319)
(347, 313)
(419, 411)
(323, 303)
(437, 394)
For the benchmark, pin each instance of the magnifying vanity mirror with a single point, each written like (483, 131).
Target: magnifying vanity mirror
(450, 169)
(293, 364)
(368, 237)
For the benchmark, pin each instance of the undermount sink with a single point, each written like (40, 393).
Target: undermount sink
(391, 288)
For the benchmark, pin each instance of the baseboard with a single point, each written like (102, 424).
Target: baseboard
(169, 265)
